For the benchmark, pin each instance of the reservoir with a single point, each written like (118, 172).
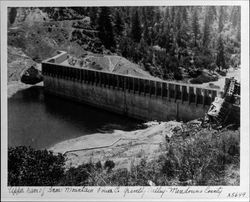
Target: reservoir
(40, 121)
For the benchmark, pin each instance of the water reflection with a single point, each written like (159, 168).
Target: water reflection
(41, 121)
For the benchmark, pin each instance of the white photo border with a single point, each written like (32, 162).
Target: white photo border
(147, 192)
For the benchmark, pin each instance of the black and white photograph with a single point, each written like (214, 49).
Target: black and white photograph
(125, 101)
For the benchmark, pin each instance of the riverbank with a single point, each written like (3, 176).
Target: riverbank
(178, 153)
(124, 148)
(15, 86)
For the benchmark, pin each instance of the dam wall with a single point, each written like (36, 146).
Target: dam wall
(140, 98)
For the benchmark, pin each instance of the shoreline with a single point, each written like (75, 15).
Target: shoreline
(122, 147)
(14, 86)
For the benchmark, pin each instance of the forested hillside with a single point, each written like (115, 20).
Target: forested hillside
(166, 41)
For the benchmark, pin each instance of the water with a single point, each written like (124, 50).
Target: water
(40, 121)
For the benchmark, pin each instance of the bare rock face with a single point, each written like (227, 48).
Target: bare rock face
(31, 76)
(26, 15)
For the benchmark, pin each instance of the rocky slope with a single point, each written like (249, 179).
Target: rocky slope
(34, 35)
(108, 63)
(18, 62)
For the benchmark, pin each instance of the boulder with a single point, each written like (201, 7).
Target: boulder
(31, 76)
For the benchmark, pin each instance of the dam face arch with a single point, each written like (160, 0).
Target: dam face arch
(140, 98)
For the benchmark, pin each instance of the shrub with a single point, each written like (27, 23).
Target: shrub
(98, 165)
(203, 159)
(29, 167)
(78, 176)
(222, 73)
(202, 79)
(178, 75)
(109, 165)
(12, 15)
(139, 175)
(211, 85)
(193, 72)
(203, 60)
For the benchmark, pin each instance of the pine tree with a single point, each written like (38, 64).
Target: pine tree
(12, 15)
(172, 14)
(220, 61)
(146, 36)
(167, 15)
(150, 12)
(206, 31)
(235, 16)
(105, 28)
(238, 34)
(211, 14)
(157, 15)
(145, 31)
(136, 28)
(178, 20)
(183, 36)
(184, 15)
(166, 21)
(119, 25)
(170, 40)
(195, 25)
(93, 15)
(178, 26)
(79, 10)
(142, 48)
(221, 19)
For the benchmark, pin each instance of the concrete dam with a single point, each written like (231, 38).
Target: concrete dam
(140, 98)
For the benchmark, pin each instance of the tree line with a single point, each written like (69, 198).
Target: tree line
(162, 39)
